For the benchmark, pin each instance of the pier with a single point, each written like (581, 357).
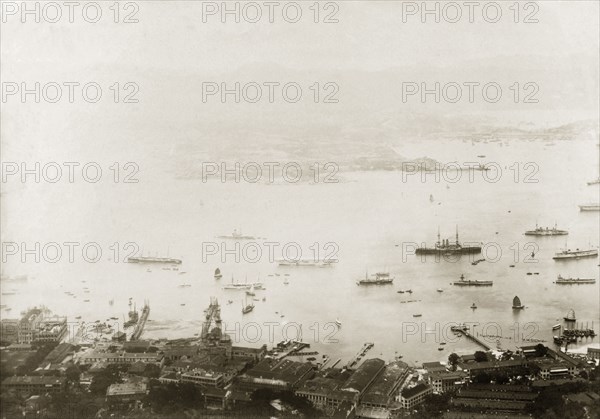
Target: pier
(356, 359)
(464, 330)
(304, 353)
(291, 348)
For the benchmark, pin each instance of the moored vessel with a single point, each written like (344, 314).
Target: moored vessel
(589, 207)
(570, 317)
(569, 281)
(594, 182)
(575, 254)
(545, 231)
(306, 262)
(247, 308)
(153, 259)
(445, 247)
(237, 236)
(476, 283)
(379, 278)
(516, 305)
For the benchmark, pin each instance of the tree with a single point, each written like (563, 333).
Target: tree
(540, 350)
(482, 378)
(480, 356)
(453, 360)
(152, 371)
(106, 377)
(72, 373)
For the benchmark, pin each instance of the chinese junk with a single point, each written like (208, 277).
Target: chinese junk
(570, 317)
(517, 303)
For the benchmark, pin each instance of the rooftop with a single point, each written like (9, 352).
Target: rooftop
(285, 370)
(34, 380)
(407, 393)
(434, 366)
(320, 385)
(379, 392)
(364, 374)
(124, 389)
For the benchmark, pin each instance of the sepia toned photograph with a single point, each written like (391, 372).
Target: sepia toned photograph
(349, 209)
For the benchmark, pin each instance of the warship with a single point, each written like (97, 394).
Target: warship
(541, 231)
(444, 247)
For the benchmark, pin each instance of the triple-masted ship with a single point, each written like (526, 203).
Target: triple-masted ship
(445, 247)
(545, 231)
(379, 278)
(476, 283)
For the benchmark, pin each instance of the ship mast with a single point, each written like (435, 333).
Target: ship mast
(457, 234)
(438, 240)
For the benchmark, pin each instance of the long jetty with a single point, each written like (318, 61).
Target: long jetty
(464, 331)
(363, 351)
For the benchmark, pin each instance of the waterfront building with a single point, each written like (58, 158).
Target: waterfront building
(385, 388)
(443, 381)
(52, 330)
(411, 397)
(254, 354)
(275, 375)
(121, 357)
(364, 376)
(176, 352)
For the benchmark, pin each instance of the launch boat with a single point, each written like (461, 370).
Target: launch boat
(247, 308)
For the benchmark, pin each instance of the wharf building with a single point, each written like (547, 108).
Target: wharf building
(371, 390)
(32, 327)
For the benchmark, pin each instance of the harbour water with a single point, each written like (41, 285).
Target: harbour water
(368, 215)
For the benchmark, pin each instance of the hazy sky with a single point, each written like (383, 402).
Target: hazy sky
(369, 35)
